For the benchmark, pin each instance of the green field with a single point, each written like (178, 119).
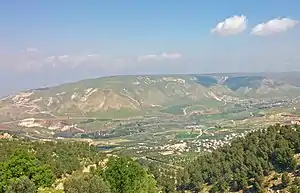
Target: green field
(186, 135)
(176, 109)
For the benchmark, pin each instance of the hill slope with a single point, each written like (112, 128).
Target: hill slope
(137, 93)
(127, 97)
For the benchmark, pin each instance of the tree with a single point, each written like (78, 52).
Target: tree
(22, 163)
(85, 183)
(42, 176)
(259, 180)
(167, 182)
(127, 176)
(296, 181)
(252, 157)
(21, 185)
(183, 177)
(257, 187)
(4, 176)
(294, 189)
(285, 179)
(219, 187)
(153, 168)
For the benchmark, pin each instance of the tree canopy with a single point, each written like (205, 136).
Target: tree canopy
(85, 183)
(244, 162)
(26, 166)
(127, 176)
(21, 164)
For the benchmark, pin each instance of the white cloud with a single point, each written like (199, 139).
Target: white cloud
(276, 25)
(231, 26)
(36, 61)
(63, 58)
(148, 57)
(162, 56)
(171, 55)
(50, 59)
(71, 60)
(93, 55)
(32, 50)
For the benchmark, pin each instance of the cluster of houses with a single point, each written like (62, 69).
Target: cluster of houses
(5, 136)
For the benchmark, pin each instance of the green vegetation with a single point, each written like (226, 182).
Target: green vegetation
(253, 163)
(61, 156)
(41, 162)
(22, 164)
(178, 128)
(241, 165)
(21, 185)
(186, 135)
(115, 113)
(126, 175)
(206, 81)
(176, 109)
(28, 166)
(85, 183)
(235, 83)
(130, 96)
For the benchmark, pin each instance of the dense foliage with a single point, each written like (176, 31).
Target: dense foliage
(126, 175)
(61, 156)
(22, 184)
(41, 162)
(22, 164)
(85, 183)
(243, 164)
(27, 166)
(237, 82)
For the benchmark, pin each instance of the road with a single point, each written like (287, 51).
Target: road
(51, 119)
(184, 111)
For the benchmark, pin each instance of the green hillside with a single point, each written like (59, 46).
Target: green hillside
(109, 102)
(140, 94)
(264, 160)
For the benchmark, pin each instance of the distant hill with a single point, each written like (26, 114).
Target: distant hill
(126, 96)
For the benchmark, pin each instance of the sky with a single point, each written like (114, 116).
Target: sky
(44, 43)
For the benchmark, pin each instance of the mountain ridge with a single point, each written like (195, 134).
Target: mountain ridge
(127, 97)
(132, 90)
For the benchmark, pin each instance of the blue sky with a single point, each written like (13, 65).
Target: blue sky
(50, 42)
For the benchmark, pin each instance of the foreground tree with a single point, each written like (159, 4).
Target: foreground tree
(21, 185)
(285, 179)
(22, 163)
(85, 183)
(127, 176)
